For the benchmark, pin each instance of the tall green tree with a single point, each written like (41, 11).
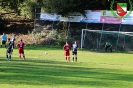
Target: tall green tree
(62, 7)
(10, 5)
(27, 8)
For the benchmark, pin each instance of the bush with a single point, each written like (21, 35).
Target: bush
(57, 38)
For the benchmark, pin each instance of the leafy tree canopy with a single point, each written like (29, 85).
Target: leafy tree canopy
(62, 7)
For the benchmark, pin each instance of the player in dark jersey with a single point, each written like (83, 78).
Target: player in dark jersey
(108, 46)
(13, 40)
(74, 51)
(66, 49)
(9, 50)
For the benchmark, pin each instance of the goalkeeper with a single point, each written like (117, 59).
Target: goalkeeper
(108, 46)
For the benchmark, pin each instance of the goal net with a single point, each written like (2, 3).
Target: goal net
(96, 39)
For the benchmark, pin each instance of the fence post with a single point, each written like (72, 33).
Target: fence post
(118, 36)
(82, 39)
(101, 36)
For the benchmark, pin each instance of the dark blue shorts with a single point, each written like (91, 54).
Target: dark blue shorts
(3, 42)
(8, 51)
(74, 53)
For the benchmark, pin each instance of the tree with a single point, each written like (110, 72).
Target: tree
(65, 7)
(10, 5)
(21, 7)
(62, 7)
(27, 8)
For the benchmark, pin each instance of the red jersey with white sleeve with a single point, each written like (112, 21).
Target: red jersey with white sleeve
(67, 47)
(21, 47)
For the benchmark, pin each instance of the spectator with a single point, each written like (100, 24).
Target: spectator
(4, 39)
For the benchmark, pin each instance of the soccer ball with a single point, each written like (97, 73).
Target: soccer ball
(45, 53)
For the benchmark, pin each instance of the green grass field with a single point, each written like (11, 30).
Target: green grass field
(93, 69)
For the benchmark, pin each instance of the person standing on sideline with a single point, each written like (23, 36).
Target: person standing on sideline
(66, 49)
(4, 39)
(9, 50)
(21, 46)
(74, 51)
(108, 45)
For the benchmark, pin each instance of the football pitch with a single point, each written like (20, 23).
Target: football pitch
(40, 70)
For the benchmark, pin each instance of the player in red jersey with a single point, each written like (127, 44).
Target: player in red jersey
(66, 49)
(21, 46)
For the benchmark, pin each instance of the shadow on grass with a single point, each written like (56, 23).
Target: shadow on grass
(46, 72)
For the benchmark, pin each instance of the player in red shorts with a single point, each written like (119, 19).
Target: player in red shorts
(21, 46)
(67, 48)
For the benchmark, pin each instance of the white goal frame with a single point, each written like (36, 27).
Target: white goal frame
(83, 34)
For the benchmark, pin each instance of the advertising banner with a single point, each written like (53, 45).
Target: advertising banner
(106, 13)
(49, 17)
(92, 16)
(128, 19)
(107, 17)
(72, 18)
(110, 20)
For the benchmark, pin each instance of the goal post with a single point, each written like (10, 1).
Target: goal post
(95, 39)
